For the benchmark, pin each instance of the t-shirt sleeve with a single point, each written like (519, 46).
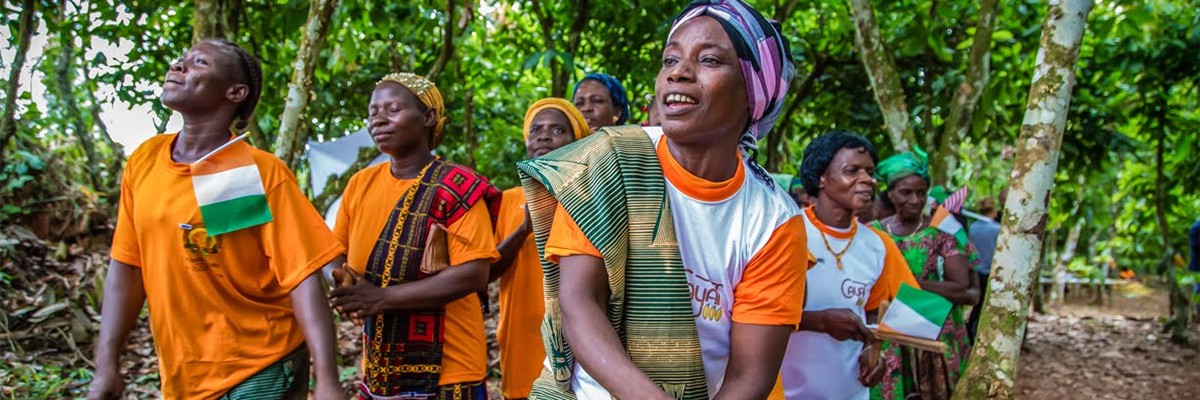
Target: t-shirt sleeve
(771, 291)
(341, 225)
(125, 246)
(474, 239)
(566, 239)
(297, 239)
(895, 272)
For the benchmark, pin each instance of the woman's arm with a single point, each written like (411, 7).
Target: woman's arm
(124, 295)
(312, 312)
(755, 354)
(509, 248)
(955, 283)
(584, 298)
(365, 299)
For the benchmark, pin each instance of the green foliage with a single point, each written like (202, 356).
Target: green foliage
(36, 381)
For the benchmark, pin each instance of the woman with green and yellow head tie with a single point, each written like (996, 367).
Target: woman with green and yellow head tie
(941, 264)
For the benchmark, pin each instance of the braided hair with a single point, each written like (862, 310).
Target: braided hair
(248, 72)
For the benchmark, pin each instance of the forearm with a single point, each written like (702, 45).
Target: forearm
(312, 312)
(124, 295)
(956, 292)
(756, 352)
(601, 352)
(439, 290)
(508, 253)
(812, 321)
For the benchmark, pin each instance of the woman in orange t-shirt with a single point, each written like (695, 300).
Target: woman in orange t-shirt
(423, 331)
(218, 239)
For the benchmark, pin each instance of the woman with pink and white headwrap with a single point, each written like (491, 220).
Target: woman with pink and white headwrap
(674, 266)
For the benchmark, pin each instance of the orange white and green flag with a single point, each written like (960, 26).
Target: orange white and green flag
(229, 189)
(916, 313)
(944, 221)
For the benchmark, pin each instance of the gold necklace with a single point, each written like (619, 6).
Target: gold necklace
(892, 231)
(837, 255)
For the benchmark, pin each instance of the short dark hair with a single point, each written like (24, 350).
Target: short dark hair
(248, 71)
(820, 152)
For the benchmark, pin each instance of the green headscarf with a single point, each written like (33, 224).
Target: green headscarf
(902, 165)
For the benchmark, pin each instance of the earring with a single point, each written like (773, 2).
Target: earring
(616, 118)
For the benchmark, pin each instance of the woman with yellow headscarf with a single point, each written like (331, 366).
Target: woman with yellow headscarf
(550, 123)
(423, 331)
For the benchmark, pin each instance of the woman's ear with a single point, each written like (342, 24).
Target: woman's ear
(431, 118)
(237, 92)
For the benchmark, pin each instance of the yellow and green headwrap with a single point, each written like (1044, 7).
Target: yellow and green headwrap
(429, 95)
(578, 124)
(902, 165)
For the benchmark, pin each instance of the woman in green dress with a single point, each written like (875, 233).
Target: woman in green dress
(941, 259)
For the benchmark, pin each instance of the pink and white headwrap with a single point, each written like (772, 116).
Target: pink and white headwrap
(763, 53)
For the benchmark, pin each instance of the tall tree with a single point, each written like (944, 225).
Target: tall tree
(885, 77)
(993, 367)
(64, 86)
(561, 52)
(214, 19)
(966, 98)
(289, 143)
(25, 31)
(885, 80)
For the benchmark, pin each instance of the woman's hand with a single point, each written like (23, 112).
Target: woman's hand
(355, 298)
(840, 323)
(106, 386)
(870, 364)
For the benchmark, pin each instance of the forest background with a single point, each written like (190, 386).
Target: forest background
(952, 76)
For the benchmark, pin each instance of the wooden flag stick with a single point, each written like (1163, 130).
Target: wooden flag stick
(915, 342)
(935, 346)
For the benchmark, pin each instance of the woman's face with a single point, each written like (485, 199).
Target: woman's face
(397, 120)
(202, 80)
(909, 195)
(549, 130)
(700, 91)
(594, 100)
(849, 180)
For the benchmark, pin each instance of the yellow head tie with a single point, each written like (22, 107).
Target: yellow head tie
(578, 123)
(429, 95)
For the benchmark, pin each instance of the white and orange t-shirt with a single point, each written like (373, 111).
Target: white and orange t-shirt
(744, 249)
(817, 366)
(220, 306)
(367, 203)
(522, 305)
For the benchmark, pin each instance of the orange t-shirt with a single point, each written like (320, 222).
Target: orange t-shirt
(367, 202)
(522, 305)
(220, 309)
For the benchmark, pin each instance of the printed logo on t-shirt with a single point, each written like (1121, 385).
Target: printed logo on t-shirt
(706, 296)
(199, 246)
(853, 289)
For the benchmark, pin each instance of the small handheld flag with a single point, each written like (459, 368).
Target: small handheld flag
(916, 313)
(229, 190)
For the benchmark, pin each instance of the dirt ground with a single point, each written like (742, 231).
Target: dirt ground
(1117, 351)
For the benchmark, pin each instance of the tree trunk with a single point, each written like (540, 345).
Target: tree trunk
(211, 19)
(993, 367)
(885, 78)
(1064, 259)
(447, 44)
(63, 84)
(966, 98)
(289, 143)
(1180, 306)
(560, 75)
(25, 31)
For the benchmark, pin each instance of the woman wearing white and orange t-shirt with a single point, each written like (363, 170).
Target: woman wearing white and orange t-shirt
(857, 268)
(675, 265)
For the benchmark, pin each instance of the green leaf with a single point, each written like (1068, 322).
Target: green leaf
(1002, 35)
